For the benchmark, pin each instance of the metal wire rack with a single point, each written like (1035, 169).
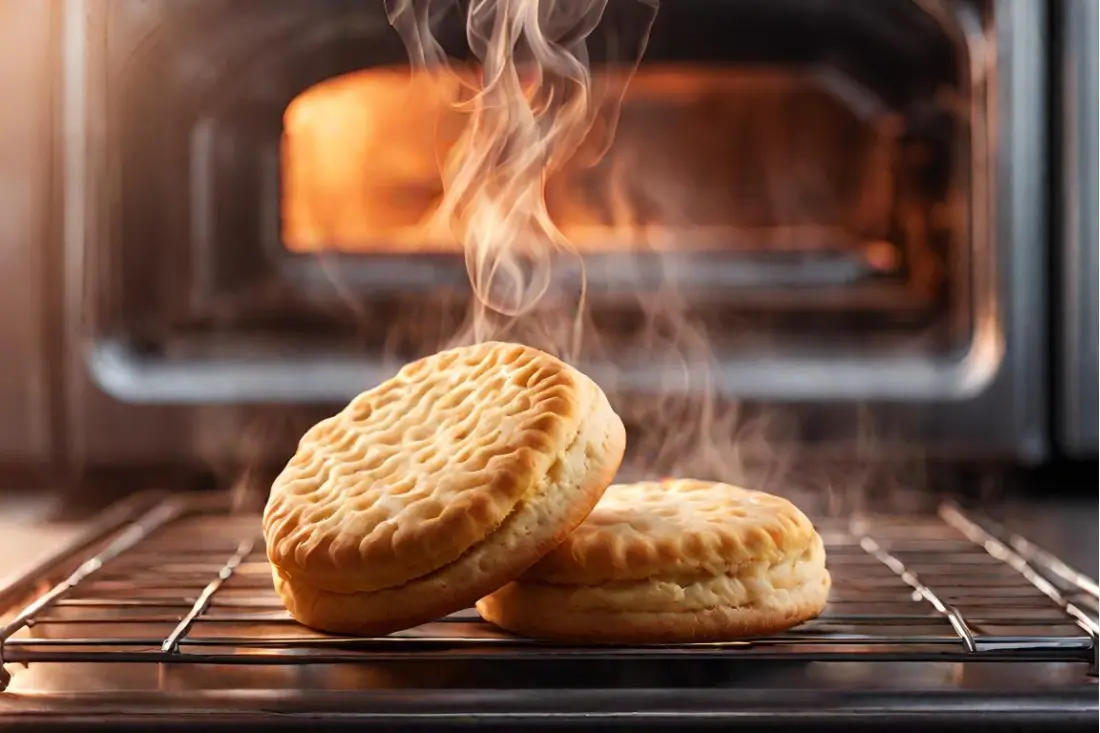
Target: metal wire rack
(187, 581)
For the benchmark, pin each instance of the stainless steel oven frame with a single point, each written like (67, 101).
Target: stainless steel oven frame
(1077, 150)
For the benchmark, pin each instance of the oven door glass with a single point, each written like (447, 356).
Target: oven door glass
(801, 175)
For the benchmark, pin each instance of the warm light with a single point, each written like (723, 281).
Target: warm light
(360, 168)
(703, 158)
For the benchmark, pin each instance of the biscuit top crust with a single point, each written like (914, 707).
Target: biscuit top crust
(413, 473)
(677, 530)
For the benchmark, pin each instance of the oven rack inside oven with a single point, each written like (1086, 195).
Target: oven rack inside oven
(187, 580)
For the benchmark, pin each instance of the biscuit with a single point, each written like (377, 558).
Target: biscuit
(437, 487)
(670, 562)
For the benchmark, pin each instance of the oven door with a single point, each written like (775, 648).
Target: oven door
(881, 259)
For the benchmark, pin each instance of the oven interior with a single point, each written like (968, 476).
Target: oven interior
(801, 180)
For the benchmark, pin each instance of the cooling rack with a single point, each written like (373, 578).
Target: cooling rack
(186, 581)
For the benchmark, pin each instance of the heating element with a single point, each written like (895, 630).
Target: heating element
(187, 581)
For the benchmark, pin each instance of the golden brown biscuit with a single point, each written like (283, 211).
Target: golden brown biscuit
(437, 487)
(672, 561)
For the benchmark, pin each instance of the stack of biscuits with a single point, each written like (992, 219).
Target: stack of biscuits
(483, 476)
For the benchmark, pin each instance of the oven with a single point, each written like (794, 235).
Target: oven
(841, 251)
(850, 216)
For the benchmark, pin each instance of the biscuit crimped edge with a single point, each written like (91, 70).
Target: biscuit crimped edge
(571, 488)
(412, 474)
(676, 527)
(679, 567)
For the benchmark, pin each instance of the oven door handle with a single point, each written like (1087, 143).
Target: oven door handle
(141, 376)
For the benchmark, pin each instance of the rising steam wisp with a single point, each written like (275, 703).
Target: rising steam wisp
(532, 105)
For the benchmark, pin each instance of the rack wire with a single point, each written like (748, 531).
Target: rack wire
(187, 581)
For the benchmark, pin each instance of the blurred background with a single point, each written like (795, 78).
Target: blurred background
(858, 220)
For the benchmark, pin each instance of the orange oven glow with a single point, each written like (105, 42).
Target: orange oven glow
(703, 158)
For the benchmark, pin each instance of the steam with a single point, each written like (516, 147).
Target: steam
(533, 107)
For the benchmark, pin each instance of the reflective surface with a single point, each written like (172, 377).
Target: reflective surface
(916, 599)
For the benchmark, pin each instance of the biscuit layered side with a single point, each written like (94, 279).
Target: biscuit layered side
(438, 487)
(674, 561)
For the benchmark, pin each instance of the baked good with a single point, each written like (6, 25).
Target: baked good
(668, 562)
(437, 487)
